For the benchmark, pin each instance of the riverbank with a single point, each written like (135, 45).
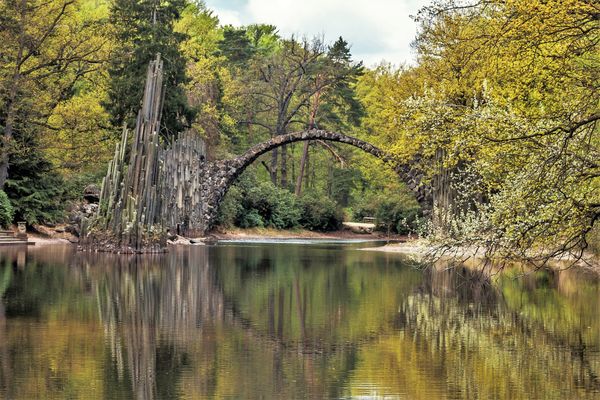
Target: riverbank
(40, 240)
(268, 233)
(51, 235)
(421, 250)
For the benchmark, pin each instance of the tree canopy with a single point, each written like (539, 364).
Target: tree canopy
(507, 93)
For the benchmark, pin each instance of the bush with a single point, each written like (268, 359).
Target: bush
(37, 193)
(250, 219)
(320, 213)
(7, 212)
(393, 212)
(230, 208)
(249, 204)
(277, 207)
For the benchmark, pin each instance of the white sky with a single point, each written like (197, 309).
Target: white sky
(376, 29)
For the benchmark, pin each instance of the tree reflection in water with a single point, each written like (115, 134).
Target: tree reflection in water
(285, 321)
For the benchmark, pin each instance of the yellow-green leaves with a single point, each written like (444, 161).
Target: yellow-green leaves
(509, 88)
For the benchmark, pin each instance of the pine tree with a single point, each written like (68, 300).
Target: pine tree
(142, 29)
(236, 46)
(341, 106)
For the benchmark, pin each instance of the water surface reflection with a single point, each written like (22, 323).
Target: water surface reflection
(289, 321)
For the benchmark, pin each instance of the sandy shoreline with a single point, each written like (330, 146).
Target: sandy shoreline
(409, 247)
(243, 234)
(254, 234)
(420, 250)
(41, 240)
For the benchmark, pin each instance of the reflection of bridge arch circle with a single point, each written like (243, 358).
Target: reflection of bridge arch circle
(226, 172)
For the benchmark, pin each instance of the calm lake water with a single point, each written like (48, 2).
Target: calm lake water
(289, 320)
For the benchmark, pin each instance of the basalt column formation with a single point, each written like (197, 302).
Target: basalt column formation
(150, 190)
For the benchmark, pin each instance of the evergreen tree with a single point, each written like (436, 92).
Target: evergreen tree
(35, 190)
(236, 46)
(143, 29)
(341, 106)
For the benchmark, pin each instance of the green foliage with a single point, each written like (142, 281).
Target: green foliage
(393, 212)
(250, 203)
(320, 213)
(343, 182)
(49, 49)
(235, 45)
(508, 90)
(342, 108)
(143, 29)
(251, 219)
(36, 192)
(7, 212)
(230, 207)
(73, 185)
(276, 207)
(264, 37)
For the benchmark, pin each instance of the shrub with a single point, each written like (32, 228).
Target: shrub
(36, 192)
(249, 204)
(230, 208)
(250, 219)
(393, 212)
(277, 207)
(320, 213)
(7, 212)
(286, 212)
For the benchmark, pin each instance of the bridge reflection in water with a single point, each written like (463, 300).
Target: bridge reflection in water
(289, 321)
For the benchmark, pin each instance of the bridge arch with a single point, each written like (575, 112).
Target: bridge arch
(224, 173)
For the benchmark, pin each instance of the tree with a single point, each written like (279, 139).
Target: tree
(236, 46)
(46, 48)
(209, 80)
(333, 105)
(282, 87)
(505, 99)
(278, 88)
(141, 30)
(37, 193)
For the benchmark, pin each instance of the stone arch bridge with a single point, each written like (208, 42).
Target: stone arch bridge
(218, 176)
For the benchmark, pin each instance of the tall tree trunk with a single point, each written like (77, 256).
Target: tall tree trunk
(273, 167)
(284, 182)
(293, 164)
(310, 165)
(313, 175)
(303, 161)
(329, 184)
